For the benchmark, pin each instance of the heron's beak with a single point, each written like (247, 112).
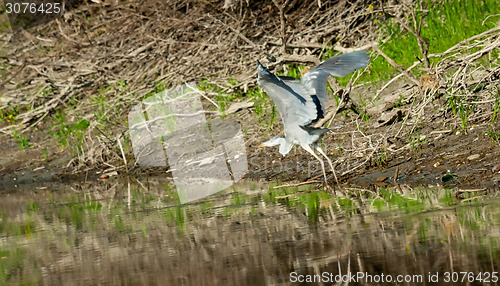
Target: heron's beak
(260, 146)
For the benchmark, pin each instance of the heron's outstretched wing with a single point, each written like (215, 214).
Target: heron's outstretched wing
(290, 97)
(315, 80)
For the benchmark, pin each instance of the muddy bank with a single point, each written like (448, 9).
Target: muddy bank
(449, 157)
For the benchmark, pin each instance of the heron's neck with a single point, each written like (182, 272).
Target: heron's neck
(285, 146)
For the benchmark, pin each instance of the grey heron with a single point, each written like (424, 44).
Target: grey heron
(302, 103)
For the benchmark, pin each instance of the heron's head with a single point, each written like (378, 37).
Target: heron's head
(285, 146)
(273, 142)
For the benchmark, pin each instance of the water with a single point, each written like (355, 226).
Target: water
(133, 232)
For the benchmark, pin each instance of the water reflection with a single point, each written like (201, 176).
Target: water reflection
(134, 232)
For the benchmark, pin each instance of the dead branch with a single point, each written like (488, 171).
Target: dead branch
(396, 66)
(466, 41)
(281, 9)
(422, 44)
(297, 184)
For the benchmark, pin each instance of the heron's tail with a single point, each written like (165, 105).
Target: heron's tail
(318, 130)
(336, 127)
(314, 130)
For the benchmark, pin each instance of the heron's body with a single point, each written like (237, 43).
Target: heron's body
(301, 104)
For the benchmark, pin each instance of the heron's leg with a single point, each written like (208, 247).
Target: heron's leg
(308, 149)
(330, 163)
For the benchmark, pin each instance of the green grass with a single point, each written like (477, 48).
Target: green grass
(22, 141)
(381, 158)
(263, 107)
(69, 135)
(222, 98)
(106, 113)
(9, 116)
(461, 108)
(496, 107)
(446, 24)
(416, 142)
(495, 136)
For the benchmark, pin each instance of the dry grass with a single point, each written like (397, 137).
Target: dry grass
(99, 60)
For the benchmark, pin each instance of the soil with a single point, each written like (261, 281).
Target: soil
(425, 147)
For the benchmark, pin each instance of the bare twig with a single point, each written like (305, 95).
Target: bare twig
(118, 139)
(415, 64)
(396, 66)
(13, 75)
(243, 37)
(297, 184)
(396, 174)
(281, 9)
(479, 36)
(368, 46)
(496, 15)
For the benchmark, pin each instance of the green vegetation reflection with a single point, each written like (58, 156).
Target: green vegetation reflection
(122, 211)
